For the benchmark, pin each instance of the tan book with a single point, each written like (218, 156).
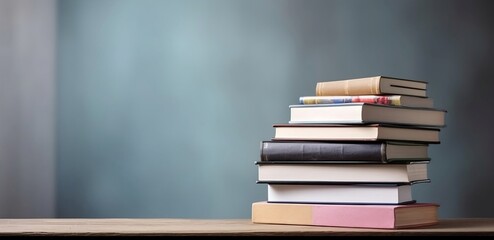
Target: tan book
(378, 85)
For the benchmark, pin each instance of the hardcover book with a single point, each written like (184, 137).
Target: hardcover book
(340, 193)
(345, 152)
(360, 113)
(323, 172)
(377, 85)
(394, 100)
(356, 216)
(349, 132)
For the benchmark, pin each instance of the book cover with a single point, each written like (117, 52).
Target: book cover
(355, 216)
(349, 152)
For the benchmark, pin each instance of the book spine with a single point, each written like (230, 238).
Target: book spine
(386, 100)
(322, 151)
(368, 86)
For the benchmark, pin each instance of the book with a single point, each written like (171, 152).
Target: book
(377, 85)
(342, 132)
(394, 100)
(340, 194)
(346, 152)
(359, 113)
(356, 216)
(324, 172)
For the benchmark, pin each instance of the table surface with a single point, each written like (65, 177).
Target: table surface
(209, 227)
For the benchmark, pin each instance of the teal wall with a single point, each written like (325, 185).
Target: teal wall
(161, 105)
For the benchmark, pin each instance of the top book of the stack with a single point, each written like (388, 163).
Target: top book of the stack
(378, 85)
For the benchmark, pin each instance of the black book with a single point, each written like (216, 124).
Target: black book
(346, 152)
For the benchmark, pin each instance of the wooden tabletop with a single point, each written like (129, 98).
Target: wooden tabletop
(196, 227)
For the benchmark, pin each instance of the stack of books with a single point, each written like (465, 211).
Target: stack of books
(349, 156)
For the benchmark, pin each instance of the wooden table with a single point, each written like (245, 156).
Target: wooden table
(196, 227)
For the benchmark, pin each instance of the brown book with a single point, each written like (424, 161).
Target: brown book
(357, 216)
(378, 85)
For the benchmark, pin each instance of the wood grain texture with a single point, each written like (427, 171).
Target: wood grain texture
(196, 227)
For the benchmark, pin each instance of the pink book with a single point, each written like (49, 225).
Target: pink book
(357, 216)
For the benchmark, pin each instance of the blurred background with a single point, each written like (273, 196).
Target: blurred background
(142, 108)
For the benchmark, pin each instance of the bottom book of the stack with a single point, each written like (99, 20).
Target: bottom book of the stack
(357, 216)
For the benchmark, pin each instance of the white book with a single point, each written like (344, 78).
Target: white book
(348, 194)
(360, 113)
(355, 132)
(341, 173)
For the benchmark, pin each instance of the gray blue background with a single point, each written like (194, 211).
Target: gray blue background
(161, 105)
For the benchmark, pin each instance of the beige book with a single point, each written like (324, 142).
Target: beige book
(377, 85)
